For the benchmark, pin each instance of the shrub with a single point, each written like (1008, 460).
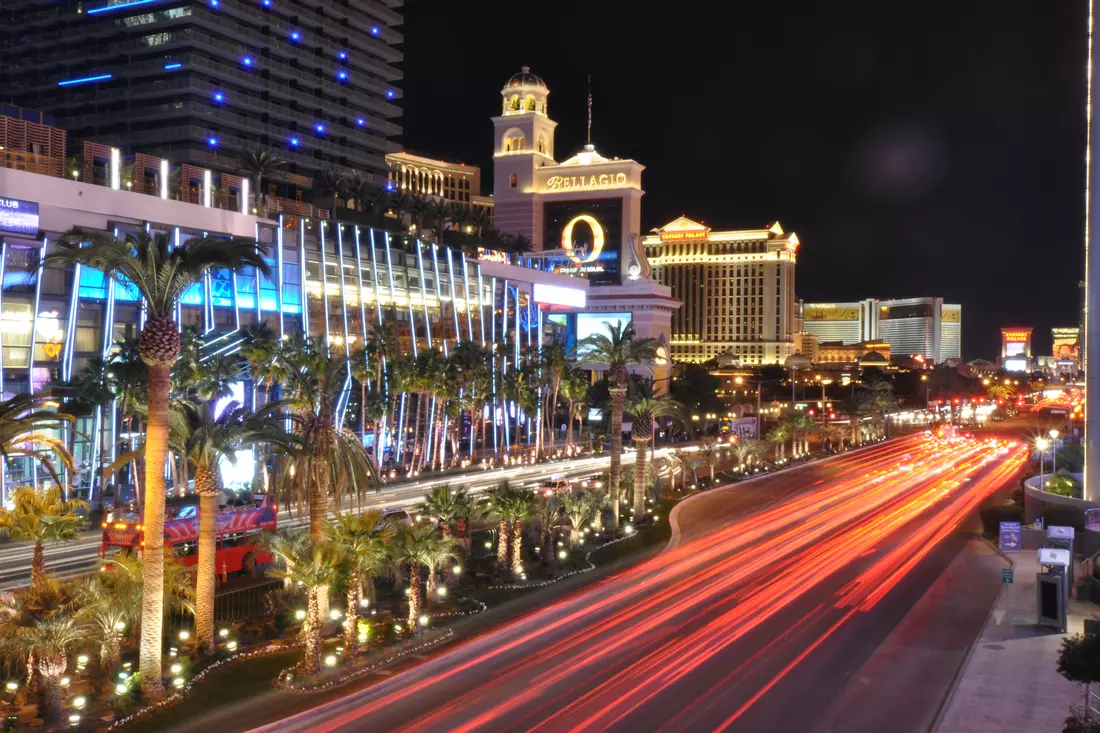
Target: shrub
(992, 516)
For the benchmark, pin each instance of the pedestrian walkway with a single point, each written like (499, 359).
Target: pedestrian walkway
(1010, 682)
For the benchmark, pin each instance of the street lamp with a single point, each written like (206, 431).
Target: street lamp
(1041, 444)
(1054, 450)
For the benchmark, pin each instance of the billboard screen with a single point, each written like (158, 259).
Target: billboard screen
(590, 235)
(1015, 365)
(1015, 348)
(830, 313)
(19, 217)
(589, 324)
(1065, 343)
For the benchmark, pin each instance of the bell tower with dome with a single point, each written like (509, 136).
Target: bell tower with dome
(524, 142)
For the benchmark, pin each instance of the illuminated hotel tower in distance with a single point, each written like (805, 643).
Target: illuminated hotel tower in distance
(737, 288)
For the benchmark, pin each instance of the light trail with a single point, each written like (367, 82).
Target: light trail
(615, 654)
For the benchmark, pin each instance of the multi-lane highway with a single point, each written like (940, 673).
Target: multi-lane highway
(762, 580)
(80, 556)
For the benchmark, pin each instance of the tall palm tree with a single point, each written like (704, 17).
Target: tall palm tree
(260, 352)
(778, 436)
(617, 351)
(360, 189)
(574, 389)
(50, 642)
(511, 505)
(440, 211)
(555, 365)
(259, 164)
(581, 508)
(548, 514)
(29, 427)
(160, 273)
(446, 506)
(216, 377)
(208, 441)
(41, 517)
(106, 613)
(333, 460)
(329, 185)
(365, 553)
(644, 410)
(314, 565)
(708, 455)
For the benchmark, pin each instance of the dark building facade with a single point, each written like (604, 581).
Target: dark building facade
(204, 81)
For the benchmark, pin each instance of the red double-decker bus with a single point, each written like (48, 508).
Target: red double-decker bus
(237, 532)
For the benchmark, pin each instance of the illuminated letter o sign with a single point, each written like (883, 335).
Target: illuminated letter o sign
(597, 239)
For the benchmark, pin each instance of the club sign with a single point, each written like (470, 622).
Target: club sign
(18, 217)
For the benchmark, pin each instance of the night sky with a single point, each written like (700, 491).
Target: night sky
(931, 149)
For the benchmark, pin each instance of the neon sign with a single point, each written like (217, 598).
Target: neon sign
(604, 180)
(20, 217)
(684, 236)
(583, 257)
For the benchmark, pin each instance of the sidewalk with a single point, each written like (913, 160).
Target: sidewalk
(1010, 680)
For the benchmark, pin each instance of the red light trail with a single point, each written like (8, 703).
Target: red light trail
(651, 648)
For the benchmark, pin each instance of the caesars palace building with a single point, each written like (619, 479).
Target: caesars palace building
(333, 279)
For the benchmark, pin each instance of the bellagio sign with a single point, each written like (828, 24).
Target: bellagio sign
(576, 183)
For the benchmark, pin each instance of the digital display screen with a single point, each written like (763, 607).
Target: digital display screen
(1015, 365)
(18, 217)
(1013, 348)
(589, 233)
(595, 324)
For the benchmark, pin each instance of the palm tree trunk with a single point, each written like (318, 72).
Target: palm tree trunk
(618, 396)
(417, 451)
(110, 652)
(311, 659)
(351, 629)
(414, 596)
(569, 427)
(639, 481)
(38, 566)
(51, 696)
(318, 518)
(504, 543)
(152, 597)
(363, 410)
(517, 547)
(432, 583)
(206, 579)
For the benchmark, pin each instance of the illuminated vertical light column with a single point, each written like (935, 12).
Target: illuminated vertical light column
(179, 305)
(362, 290)
(115, 173)
(400, 426)
(1092, 294)
(108, 331)
(466, 297)
(34, 323)
(207, 184)
(408, 295)
(454, 302)
(3, 263)
(345, 393)
(70, 327)
(302, 294)
(424, 293)
(504, 363)
(164, 179)
(324, 290)
(258, 275)
(492, 355)
(380, 448)
(207, 305)
(244, 196)
(279, 275)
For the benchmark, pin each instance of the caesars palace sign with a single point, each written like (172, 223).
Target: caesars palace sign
(603, 180)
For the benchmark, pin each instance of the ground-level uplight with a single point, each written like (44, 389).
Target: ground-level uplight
(563, 554)
(79, 702)
(176, 668)
(330, 660)
(423, 620)
(121, 689)
(442, 590)
(185, 635)
(223, 633)
(299, 614)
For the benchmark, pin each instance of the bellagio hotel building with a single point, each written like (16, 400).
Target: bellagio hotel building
(737, 288)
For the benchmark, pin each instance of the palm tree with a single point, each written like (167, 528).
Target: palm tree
(41, 517)
(555, 365)
(365, 553)
(106, 613)
(511, 505)
(413, 548)
(260, 352)
(333, 459)
(93, 384)
(446, 506)
(581, 508)
(314, 565)
(127, 579)
(440, 210)
(618, 351)
(574, 388)
(800, 425)
(160, 273)
(439, 551)
(215, 379)
(519, 244)
(548, 514)
(28, 427)
(259, 164)
(360, 189)
(208, 441)
(708, 455)
(778, 435)
(329, 185)
(644, 410)
(49, 643)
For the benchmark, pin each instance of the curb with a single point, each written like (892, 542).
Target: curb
(673, 516)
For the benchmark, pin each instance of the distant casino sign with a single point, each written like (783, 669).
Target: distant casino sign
(18, 217)
(684, 236)
(571, 183)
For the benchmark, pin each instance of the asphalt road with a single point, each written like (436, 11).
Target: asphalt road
(770, 598)
(80, 556)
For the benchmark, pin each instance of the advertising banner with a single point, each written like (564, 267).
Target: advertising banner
(1010, 536)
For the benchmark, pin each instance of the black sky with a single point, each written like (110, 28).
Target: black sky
(918, 149)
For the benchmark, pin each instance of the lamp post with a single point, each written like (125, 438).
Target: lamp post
(1054, 451)
(1041, 444)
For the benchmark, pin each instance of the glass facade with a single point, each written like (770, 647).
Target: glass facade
(204, 81)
